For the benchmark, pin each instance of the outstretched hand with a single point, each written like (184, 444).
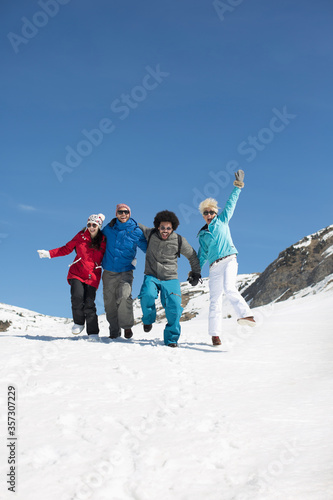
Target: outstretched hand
(239, 179)
(44, 254)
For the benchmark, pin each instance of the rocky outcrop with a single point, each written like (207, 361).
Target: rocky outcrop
(4, 325)
(302, 265)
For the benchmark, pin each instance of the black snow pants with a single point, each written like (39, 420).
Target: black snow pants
(83, 305)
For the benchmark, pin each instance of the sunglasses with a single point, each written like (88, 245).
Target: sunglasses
(166, 228)
(209, 212)
(91, 224)
(120, 212)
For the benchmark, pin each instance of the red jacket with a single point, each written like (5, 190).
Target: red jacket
(86, 266)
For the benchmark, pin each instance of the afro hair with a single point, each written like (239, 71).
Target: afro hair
(166, 216)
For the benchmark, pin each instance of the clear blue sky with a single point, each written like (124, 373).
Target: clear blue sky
(182, 92)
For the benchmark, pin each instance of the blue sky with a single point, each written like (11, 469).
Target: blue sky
(155, 104)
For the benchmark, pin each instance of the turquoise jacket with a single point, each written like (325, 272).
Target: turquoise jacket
(215, 240)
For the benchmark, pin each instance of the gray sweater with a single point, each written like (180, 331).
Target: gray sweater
(161, 256)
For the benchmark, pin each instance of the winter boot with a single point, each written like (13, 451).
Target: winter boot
(93, 337)
(128, 333)
(248, 321)
(77, 329)
(114, 335)
(216, 340)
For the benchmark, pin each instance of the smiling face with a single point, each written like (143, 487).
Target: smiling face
(208, 214)
(165, 229)
(92, 228)
(123, 214)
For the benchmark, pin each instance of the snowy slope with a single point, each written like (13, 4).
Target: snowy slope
(135, 420)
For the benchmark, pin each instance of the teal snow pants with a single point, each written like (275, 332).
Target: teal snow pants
(171, 301)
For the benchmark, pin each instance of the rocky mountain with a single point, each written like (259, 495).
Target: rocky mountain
(298, 269)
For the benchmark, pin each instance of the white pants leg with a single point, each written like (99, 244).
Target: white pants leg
(222, 278)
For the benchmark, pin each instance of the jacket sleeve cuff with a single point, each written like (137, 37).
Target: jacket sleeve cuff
(239, 184)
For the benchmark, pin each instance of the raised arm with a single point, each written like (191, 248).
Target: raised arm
(230, 206)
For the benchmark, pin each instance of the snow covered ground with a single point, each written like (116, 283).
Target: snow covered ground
(135, 420)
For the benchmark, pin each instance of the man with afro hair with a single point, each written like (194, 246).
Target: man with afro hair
(161, 274)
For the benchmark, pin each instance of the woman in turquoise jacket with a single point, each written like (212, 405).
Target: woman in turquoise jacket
(216, 247)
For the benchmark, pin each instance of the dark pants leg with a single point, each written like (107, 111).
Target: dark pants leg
(83, 305)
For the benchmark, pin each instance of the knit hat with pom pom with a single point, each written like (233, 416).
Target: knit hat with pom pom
(97, 219)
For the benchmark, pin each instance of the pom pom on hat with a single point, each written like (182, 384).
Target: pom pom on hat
(123, 205)
(96, 219)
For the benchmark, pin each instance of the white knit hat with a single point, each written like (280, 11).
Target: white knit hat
(96, 219)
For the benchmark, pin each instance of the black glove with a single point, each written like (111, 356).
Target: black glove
(239, 179)
(193, 278)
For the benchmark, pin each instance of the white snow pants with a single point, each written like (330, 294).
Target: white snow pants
(222, 278)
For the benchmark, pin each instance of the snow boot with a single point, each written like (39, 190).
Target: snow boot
(77, 329)
(93, 337)
(216, 340)
(128, 333)
(114, 335)
(248, 321)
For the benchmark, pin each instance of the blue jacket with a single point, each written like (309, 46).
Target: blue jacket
(215, 239)
(122, 240)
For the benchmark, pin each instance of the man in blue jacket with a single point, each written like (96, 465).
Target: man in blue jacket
(216, 247)
(123, 236)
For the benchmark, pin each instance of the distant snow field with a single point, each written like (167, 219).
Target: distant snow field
(135, 420)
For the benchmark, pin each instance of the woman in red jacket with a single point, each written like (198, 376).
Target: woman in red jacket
(84, 273)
